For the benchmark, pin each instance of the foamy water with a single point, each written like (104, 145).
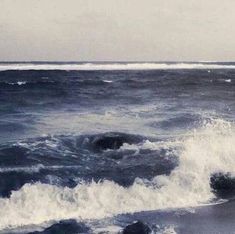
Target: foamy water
(208, 150)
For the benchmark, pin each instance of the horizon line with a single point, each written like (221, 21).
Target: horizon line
(115, 61)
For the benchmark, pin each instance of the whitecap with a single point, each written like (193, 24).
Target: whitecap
(108, 81)
(115, 66)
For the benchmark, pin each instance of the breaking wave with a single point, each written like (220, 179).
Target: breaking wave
(113, 66)
(205, 151)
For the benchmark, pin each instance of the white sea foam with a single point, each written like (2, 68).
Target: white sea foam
(152, 145)
(168, 230)
(108, 81)
(36, 168)
(111, 229)
(21, 82)
(208, 150)
(114, 66)
(17, 83)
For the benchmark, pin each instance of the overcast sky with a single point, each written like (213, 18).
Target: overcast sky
(104, 30)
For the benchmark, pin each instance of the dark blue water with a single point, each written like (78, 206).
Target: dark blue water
(81, 147)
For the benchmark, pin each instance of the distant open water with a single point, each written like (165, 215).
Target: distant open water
(94, 143)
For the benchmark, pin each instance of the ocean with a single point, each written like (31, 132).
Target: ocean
(94, 147)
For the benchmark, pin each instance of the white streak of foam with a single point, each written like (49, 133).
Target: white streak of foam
(114, 66)
(18, 82)
(108, 81)
(209, 150)
(36, 168)
(152, 145)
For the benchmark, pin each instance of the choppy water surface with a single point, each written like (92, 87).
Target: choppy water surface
(91, 144)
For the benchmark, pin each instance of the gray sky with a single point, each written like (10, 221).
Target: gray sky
(107, 30)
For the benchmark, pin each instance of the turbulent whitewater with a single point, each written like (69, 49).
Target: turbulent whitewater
(114, 66)
(94, 141)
